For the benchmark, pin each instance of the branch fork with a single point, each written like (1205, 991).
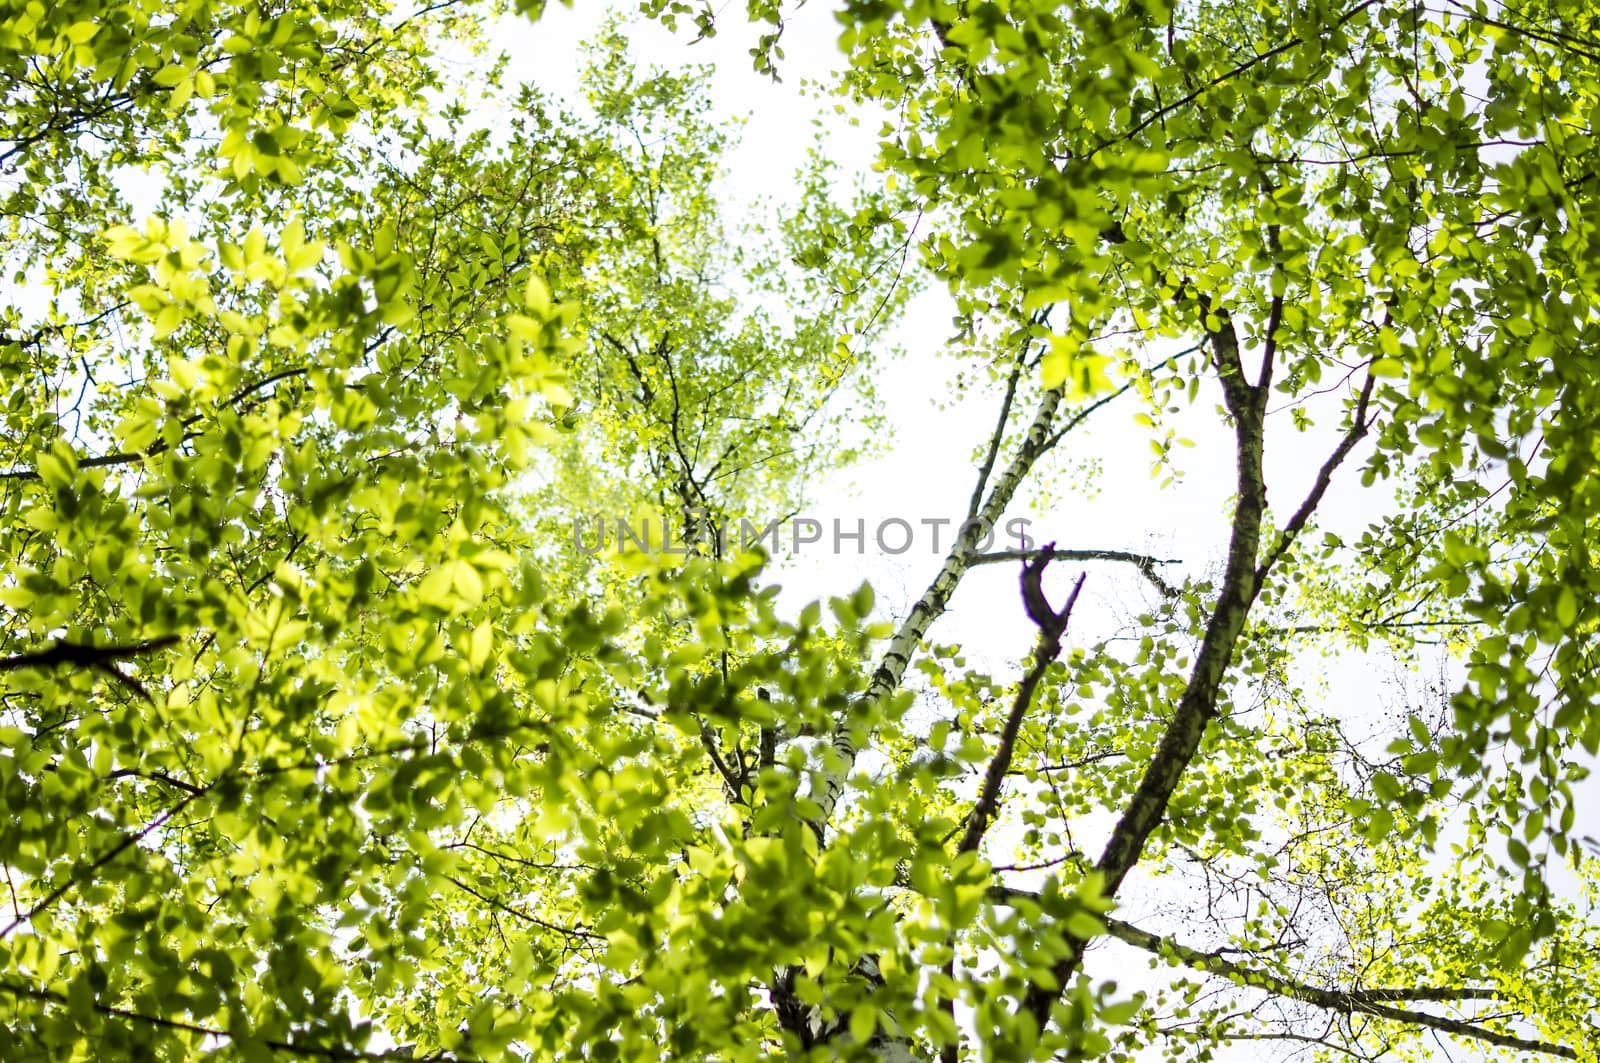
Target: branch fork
(1050, 622)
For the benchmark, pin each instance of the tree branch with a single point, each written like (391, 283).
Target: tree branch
(998, 435)
(290, 1048)
(1347, 1002)
(1161, 113)
(100, 659)
(83, 872)
(892, 666)
(1052, 626)
(82, 655)
(1197, 708)
(1143, 562)
(157, 776)
(128, 457)
(1358, 429)
(571, 933)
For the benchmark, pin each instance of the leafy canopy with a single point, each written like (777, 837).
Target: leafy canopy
(322, 739)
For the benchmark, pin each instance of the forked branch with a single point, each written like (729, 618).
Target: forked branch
(1052, 626)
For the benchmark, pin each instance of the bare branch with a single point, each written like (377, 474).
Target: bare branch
(1052, 626)
(1358, 429)
(1143, 562)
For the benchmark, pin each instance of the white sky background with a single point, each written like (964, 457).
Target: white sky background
(929, 468)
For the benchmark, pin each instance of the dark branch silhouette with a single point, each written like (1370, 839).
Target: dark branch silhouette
(102, 659)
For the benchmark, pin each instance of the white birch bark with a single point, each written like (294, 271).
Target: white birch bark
(891, 669)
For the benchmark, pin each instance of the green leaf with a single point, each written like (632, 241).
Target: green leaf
(1566, 607)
